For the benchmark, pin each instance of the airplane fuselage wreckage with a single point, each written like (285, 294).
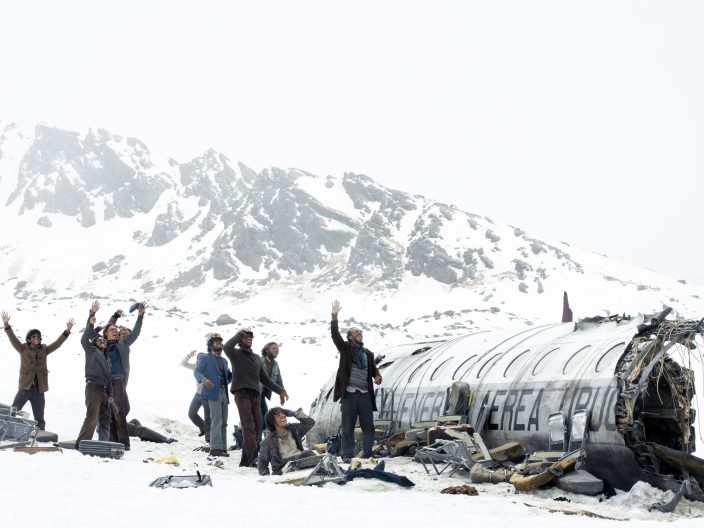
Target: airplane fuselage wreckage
(611, 385)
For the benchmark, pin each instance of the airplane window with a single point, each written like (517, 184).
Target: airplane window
(542, 363)
(417, 369)
(574, 361)
(488, 362)
(384, 365)
(609, 356)
(517, 362)
(470, 358)
(432, 376)
(421, 350)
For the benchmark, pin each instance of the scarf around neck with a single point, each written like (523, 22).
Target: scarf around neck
(359, 358)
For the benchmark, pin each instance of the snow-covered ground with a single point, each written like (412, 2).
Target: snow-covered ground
(69, 489)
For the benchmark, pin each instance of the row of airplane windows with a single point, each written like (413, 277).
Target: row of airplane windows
(569, 367)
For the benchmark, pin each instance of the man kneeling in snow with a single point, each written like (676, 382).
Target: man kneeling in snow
(285, 440)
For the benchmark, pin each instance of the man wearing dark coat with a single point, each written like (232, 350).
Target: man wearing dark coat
(353, 387)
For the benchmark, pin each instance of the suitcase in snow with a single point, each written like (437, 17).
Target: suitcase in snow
(101, 449)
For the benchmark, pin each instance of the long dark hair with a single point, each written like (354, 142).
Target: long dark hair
(269, 419)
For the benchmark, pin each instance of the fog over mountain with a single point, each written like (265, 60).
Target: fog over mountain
(96, 214)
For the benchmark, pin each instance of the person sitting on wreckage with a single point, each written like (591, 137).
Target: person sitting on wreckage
(285, 440)
(34, 374)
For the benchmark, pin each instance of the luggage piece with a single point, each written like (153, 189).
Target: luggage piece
(101, 449)
(580, 481)
(182, 481)
(533, 482)
(512, 451)
(47, 436)
(480, 474)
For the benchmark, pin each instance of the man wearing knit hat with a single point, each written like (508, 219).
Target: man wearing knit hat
(214, 373)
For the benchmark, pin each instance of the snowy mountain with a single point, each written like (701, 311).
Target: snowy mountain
(210, 228)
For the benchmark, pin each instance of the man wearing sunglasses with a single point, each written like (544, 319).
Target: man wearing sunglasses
(34, 374)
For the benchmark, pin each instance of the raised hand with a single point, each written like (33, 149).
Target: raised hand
(5, 318)
(336, 307)
(95, 306)
(192, 353)
(69, 324)
(143, 306)
(120, 312)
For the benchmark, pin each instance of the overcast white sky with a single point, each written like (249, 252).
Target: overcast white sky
(578, 121)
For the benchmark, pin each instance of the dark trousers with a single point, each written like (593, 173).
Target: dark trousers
(36, 399)
(96, 403)
(118, 424)
(249, 409)
(203, 425)
(262, 416)
(353, 405)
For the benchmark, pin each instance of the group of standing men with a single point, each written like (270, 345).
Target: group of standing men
(254, 378)
(107, 370)
(252, 381)
(246, 380)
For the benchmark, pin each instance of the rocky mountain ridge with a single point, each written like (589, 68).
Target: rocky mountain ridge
(238, 232)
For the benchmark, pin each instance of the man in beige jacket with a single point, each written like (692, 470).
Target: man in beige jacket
(34, 374)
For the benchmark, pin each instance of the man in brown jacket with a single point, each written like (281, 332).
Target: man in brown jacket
(353, 387)
(34, 374)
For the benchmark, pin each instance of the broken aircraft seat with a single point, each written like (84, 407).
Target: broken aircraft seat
(448, 453)
(324, 471)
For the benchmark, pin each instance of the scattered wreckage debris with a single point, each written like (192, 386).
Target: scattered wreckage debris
(464, 489)
(314, 470)
(101, 448)
(539, 480)
(182, 481)
(31, 450)
(566, 511)
(19, 433)
(606, 388)
(168, 459)
(317, 470)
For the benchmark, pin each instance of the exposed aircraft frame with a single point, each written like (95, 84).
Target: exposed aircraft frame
(620, 370)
